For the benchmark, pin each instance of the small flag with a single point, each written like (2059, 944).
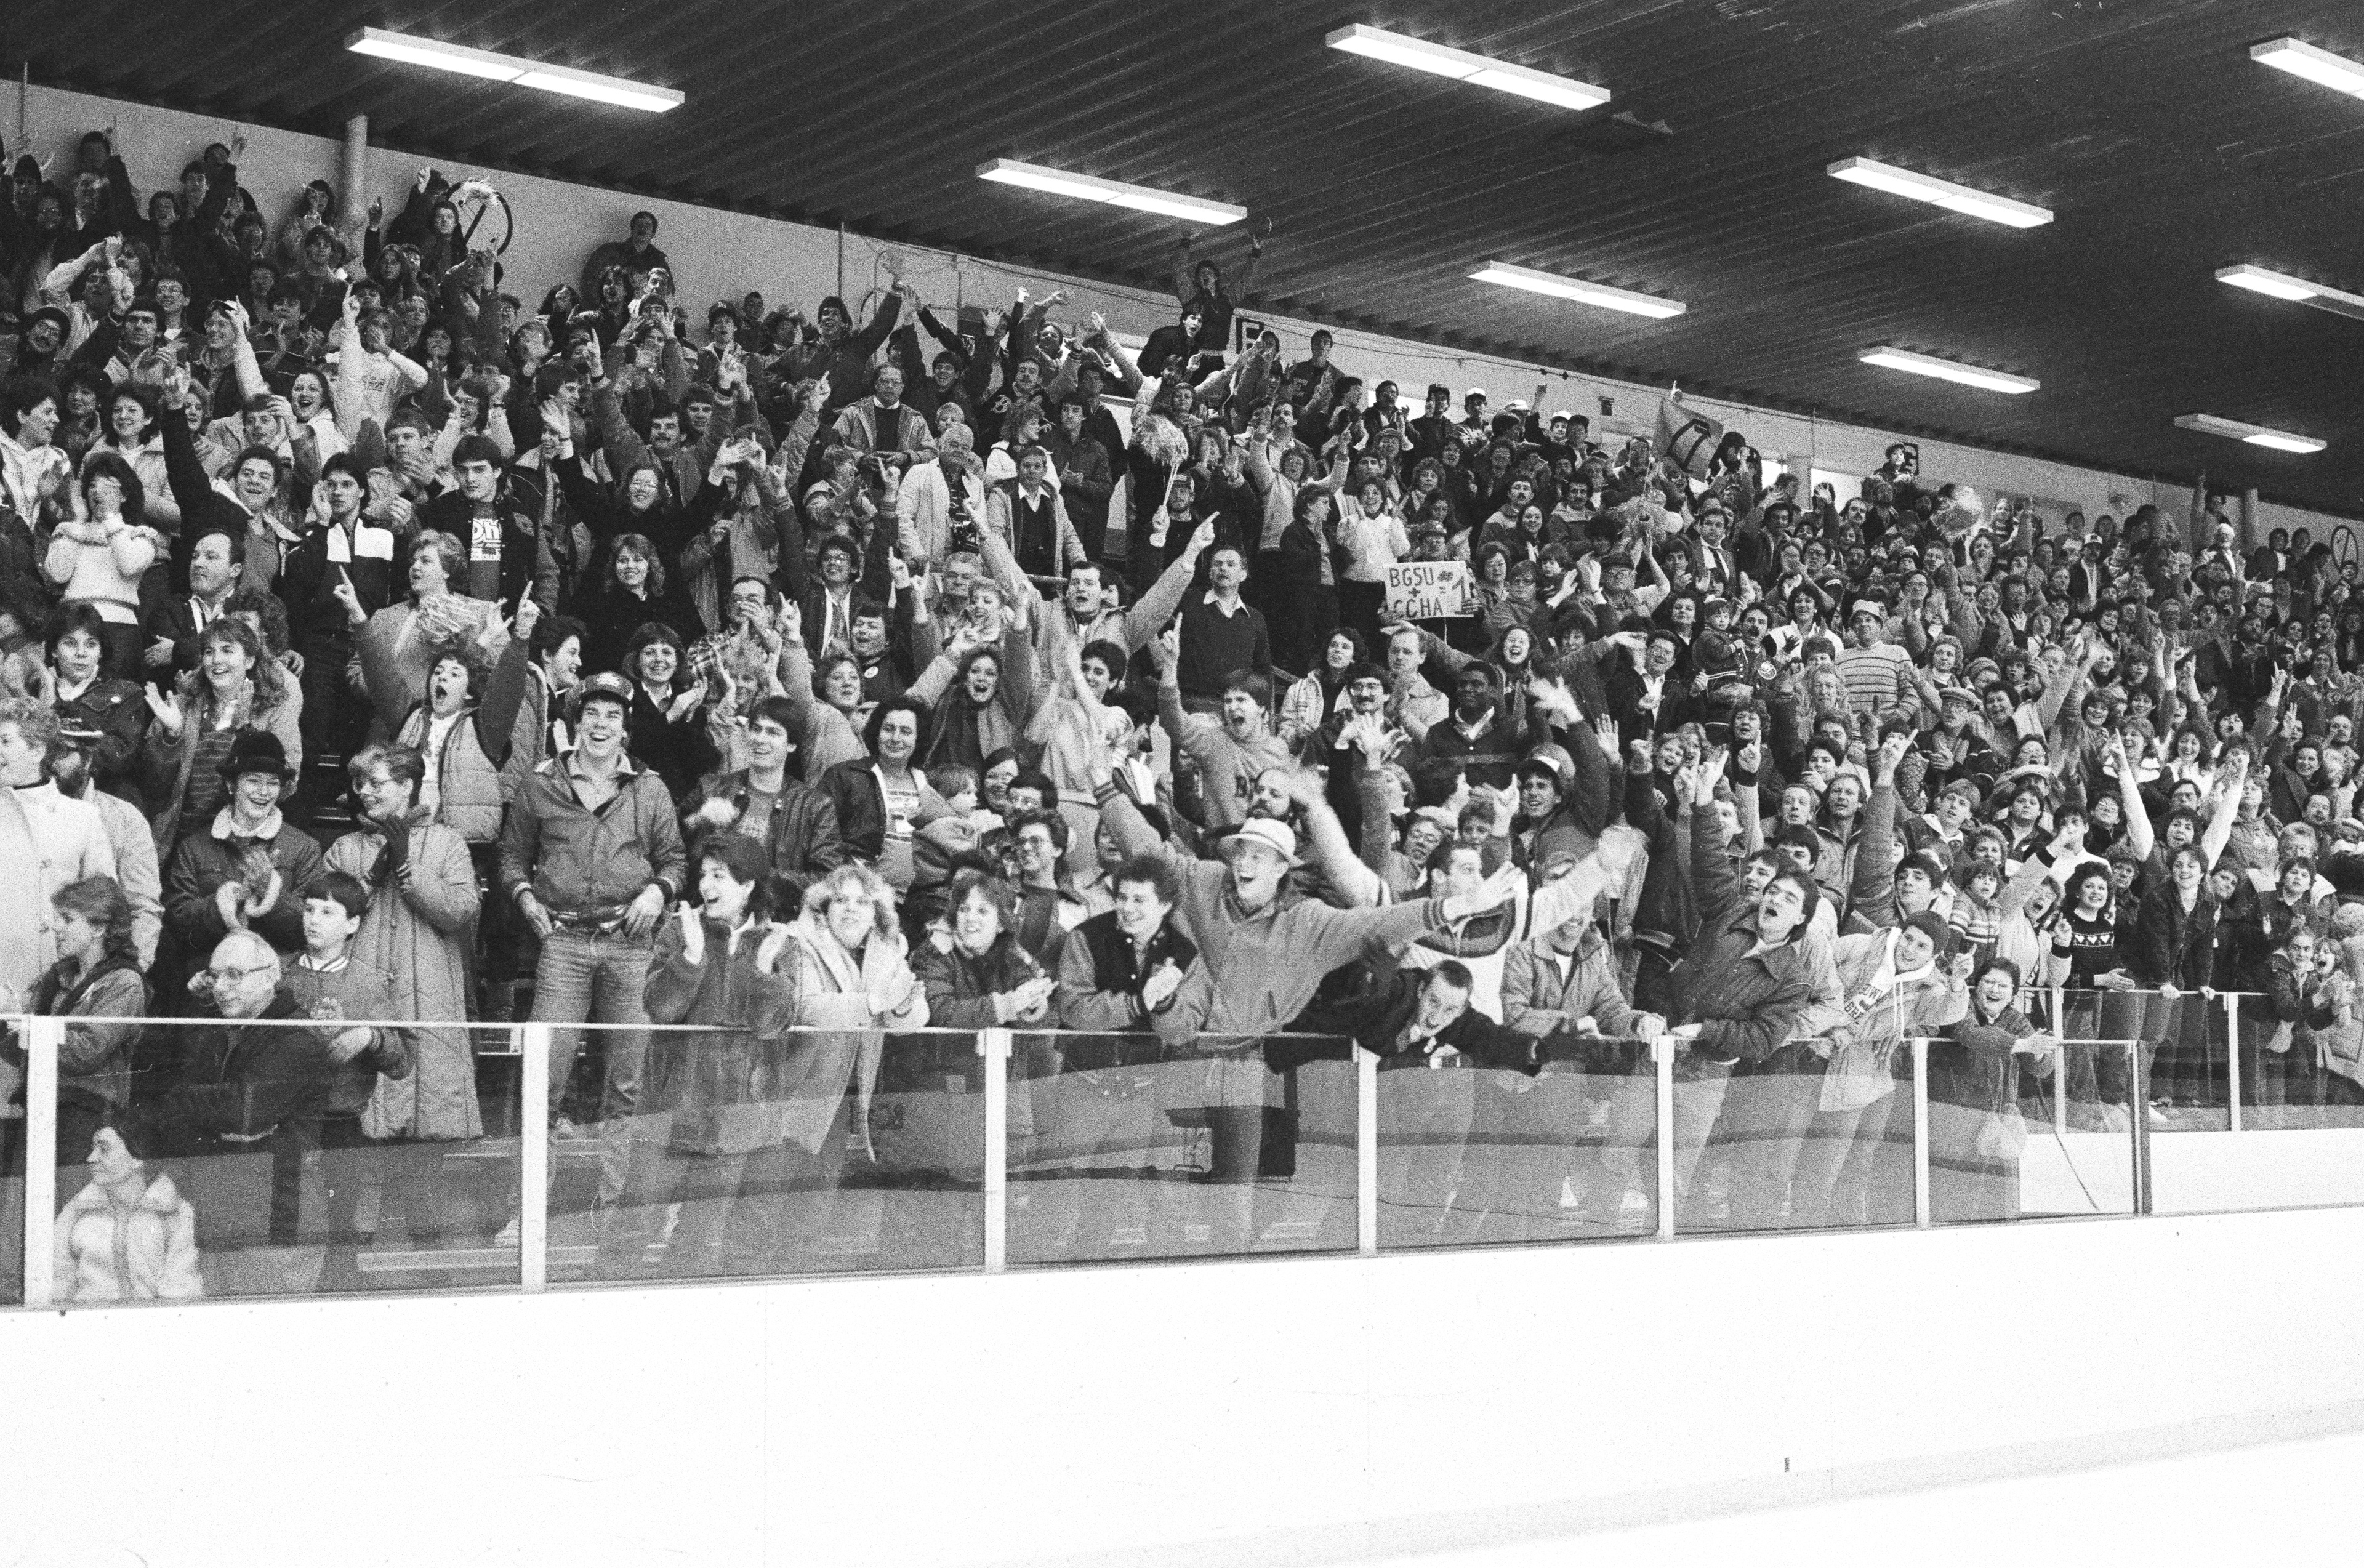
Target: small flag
(1690, 439)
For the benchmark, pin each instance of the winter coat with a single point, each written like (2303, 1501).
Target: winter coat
(419, 935)
(1860, 1070)
(724, 1092)
(472, 781)
(118, 711)
(94, 1063)
(209, 857)
(1538, 1001)
(961, 985)
(47, 839)
(180, 792)
(2171, 945)
(801, 838)
(147, 1252)
(1975, 1066)
(843, 1001)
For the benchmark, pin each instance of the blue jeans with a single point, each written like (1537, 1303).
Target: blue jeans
(600, 978)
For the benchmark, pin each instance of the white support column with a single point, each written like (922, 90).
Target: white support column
(993, 1045)
(2231, 1000)
(354, 166)
(1921, 1133)
(1662, 1066)
(2061, 1062)
(533, 1156)
(1366, 1152)
(43, 1037)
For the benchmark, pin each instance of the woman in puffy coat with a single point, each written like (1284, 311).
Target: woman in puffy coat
(1899, 983)
(852, 981)
(422, 908)
(129, 1235)
(710, 1099)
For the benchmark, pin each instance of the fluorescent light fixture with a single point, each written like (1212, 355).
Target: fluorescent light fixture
(1116, 192)
(601, 89)
(2281, 285)
(1946, 370)
(1377, 43)
(509, 67)
(2256, 435)
(1942, 193)
(2319, 65)
(1579, 290)
(2257, 279)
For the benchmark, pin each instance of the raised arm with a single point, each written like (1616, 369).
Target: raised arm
(2137, 815)
(2219, 831)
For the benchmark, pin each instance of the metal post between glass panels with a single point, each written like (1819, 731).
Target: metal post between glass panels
(43, 1038)
(994, 1045)
(1662, 1064)
(2139, 1112)
(2060, 1063)
(533, 1156)
(2232, 1059)
(1367, 1153)
(1921, 1205)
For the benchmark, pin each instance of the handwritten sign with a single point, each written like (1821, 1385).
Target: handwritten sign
(1428, 590)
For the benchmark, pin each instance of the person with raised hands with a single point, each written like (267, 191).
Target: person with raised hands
(1266, 947)
(1738, 994)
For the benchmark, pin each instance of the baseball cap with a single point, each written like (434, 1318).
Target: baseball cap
(1551, 760)
(607, 685)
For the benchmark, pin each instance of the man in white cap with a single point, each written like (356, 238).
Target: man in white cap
(1263, 948)
(1878, 674)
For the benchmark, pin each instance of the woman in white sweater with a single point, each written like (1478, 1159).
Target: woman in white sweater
(98, 558)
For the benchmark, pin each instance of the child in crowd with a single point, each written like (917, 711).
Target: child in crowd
(1976, 919)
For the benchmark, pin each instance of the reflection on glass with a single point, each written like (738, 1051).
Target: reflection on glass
(1494, 1155)
(799, 1151)
(2017, 1130)
(300, 1153)
(1797, 1140)
(1124, 1148)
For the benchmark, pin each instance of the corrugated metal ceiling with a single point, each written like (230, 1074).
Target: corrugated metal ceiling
(2164, 150)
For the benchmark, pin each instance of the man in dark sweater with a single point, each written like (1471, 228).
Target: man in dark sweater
(1483, 736)
(1221, 634)
(250, 1097)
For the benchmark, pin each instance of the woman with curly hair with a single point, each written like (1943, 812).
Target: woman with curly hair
(98, 557)
(851, 979)
(234, 687)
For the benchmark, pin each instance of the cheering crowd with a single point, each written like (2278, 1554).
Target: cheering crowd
(384, 642)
